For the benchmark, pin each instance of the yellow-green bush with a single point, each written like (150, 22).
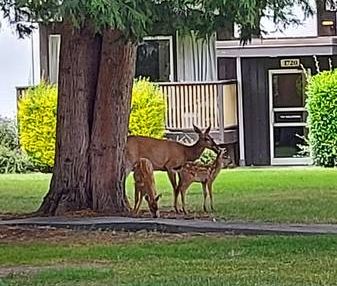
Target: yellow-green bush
(37, 118)
(37, 123)
(147, 116)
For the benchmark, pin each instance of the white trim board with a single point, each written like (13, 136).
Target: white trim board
(278, 47)
(242, 157)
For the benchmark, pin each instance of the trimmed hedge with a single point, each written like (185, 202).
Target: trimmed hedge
(322, 119)
(147, 116)
(37, 124)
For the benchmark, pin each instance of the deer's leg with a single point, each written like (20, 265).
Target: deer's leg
(138, 201)
(139, 204)
(183, 201)
(176, 194)
(209, 187)
(172, 176)
(204, 190)
(182, 190)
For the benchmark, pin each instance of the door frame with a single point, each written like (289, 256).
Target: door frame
(283, 161)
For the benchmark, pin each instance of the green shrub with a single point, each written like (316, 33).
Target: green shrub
(12, 159)
(37, 124)
(147, 116)
(8, 134)
(322, 119)
(207, 157)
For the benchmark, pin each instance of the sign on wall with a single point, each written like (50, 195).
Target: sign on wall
(286, 63)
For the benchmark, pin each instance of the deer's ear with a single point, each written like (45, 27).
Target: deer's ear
(196, 129)
(158, 197)
(147, 198)
(208, 129)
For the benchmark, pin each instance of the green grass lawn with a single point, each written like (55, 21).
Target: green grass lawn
(275, 195)
(203, 260)
(105, 258)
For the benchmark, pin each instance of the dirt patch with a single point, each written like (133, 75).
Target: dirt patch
(50, 235)
(170, 214)
(164, 213)
(29, 270)
(8, 216)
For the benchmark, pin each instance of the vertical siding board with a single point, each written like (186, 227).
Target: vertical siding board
(248, 108)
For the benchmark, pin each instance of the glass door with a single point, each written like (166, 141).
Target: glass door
(287, 117)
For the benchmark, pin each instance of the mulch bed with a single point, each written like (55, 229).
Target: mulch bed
(169, 214)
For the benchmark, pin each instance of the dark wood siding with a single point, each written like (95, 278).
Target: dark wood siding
(226, 68)
(44, 62)
(325, 16)
(256, 103)
(256, 110)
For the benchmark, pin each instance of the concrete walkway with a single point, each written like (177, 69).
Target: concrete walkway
(172, 225)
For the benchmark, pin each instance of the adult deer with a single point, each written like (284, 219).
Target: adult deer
(202, 173)
(166, 155)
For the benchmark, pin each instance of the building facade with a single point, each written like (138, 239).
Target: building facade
(253, 96)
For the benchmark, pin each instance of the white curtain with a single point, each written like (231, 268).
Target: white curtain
(54, 57)
(196, 58)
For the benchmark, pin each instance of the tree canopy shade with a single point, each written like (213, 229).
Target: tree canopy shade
(137, 18)
(97, 63)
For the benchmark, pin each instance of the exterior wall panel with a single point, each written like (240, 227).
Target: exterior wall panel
(256, 103)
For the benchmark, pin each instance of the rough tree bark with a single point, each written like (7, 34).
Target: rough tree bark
(94, 98)
(110, 124)
(80, 53)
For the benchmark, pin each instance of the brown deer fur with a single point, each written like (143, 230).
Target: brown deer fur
(204, 174)
(166, 155)
(145, 186)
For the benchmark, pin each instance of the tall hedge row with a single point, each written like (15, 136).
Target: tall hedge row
(322, 118)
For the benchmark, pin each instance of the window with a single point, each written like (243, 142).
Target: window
(155, 59)
(326, 18)
(54, 57)
(330, 5)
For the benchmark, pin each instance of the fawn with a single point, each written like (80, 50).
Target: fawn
(145, 186)
(202, 173)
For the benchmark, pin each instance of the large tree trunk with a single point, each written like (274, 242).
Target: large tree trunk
(80, 53)
(94, 99)
(111, 120)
